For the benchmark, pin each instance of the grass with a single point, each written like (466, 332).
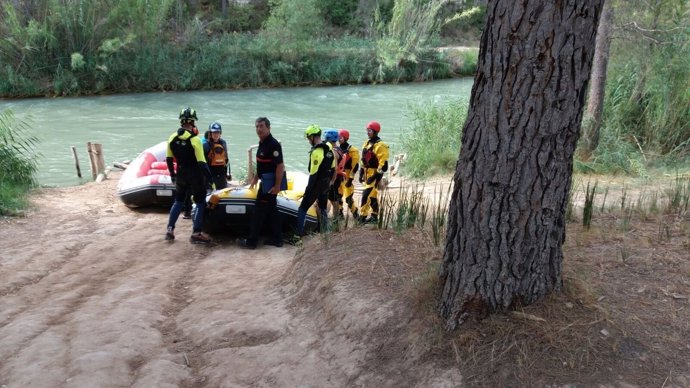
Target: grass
(617, 318)
(17, 164)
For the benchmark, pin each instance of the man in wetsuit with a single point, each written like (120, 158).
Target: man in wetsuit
(185, 147)
(321, 169)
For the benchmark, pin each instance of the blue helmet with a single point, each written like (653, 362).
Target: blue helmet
(215, 127)
(331, 135)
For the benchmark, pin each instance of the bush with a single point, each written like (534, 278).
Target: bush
(432, 142)
(17, 163)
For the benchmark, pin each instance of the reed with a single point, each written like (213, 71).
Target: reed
(17, 163)
(432, 141)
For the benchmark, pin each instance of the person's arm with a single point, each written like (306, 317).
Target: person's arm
(227, 162)
(170, 161)
(200, 158)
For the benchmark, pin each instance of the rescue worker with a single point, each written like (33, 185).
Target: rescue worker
(349, 165)
(270, 170)
(373, 164)
(185, 147)
(334, 195)
(216, 151)
(321, 168)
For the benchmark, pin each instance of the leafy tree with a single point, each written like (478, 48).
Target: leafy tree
(295, 19)
(506, 222)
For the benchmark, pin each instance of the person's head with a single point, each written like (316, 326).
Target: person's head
(216, 130)
(188, 117)
(373, 129)
(343, 136)
(313, 134)
(331, 136)
(263, 127)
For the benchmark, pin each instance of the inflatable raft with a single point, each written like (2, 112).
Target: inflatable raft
(232, 208)
(146, 181)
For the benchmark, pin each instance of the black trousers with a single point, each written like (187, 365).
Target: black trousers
(265, 207)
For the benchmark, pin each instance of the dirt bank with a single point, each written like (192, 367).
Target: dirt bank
(91, 296)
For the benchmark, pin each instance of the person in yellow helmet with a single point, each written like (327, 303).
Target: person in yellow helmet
(349, 166)
(185, 147)
(373, 164)
(321, 169)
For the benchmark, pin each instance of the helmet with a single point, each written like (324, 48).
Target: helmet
(215, 127)
(312, 130)
(331, 135)
(188, 114)
(374, 126)
(345, 134)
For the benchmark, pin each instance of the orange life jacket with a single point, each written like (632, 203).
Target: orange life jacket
(217, 155)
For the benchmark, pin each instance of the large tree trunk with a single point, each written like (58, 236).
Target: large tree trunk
(591, 123)
(507, 213)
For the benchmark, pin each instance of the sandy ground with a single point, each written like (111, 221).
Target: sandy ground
(91, 296)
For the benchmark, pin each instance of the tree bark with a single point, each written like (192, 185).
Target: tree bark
(591, 124)
(507, 212)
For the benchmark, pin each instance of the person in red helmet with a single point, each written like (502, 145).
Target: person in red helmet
(349, 166)
(373, 164)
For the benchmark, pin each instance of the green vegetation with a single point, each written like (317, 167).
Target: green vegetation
(81, 47)
(17, 163)
(432, 141)
(646, 120)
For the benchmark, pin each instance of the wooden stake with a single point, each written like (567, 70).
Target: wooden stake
(100, 158)
(76, 160)
(92, 160)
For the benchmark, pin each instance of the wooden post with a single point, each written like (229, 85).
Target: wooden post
(76, 160)
(92, 160)
(100, 158)
(250, 163)
(96, 158)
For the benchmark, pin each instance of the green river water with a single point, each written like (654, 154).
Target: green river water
(128, 124)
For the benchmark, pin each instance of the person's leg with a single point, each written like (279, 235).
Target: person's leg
(262, 208)
(374, 201)
(220, 181)
(277, 223)
(323, 212)
(365, 206)
(199, 193)
(308, 200)
(187, 206)
(180, 195)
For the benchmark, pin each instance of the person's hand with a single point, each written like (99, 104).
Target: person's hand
(373, 178)
(274, 190)
(253, 183)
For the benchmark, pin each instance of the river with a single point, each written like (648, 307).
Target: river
(127, 124)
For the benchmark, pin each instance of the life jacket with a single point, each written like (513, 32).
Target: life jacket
(182, 149)
(325, 170)
(217, 155)
(369, 158)
(343, 161)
